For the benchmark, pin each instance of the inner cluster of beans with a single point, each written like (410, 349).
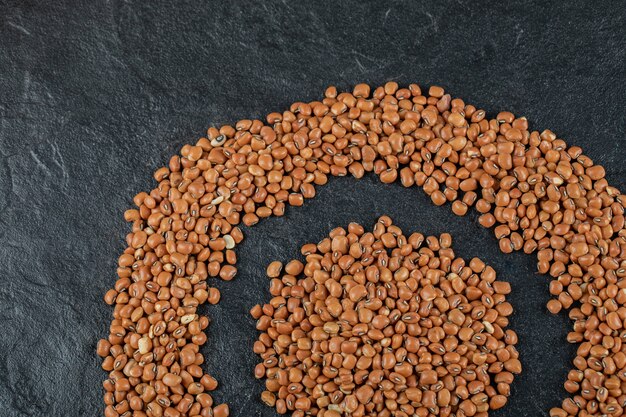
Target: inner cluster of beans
(541, 195)
(378, 324)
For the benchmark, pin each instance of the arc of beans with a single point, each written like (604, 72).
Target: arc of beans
(539, 195)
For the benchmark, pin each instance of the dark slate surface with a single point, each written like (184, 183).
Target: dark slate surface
(94, 99)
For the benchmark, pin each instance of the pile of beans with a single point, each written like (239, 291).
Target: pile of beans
(378, 324)
(540, 195)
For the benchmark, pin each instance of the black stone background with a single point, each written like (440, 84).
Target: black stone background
(95, 97)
